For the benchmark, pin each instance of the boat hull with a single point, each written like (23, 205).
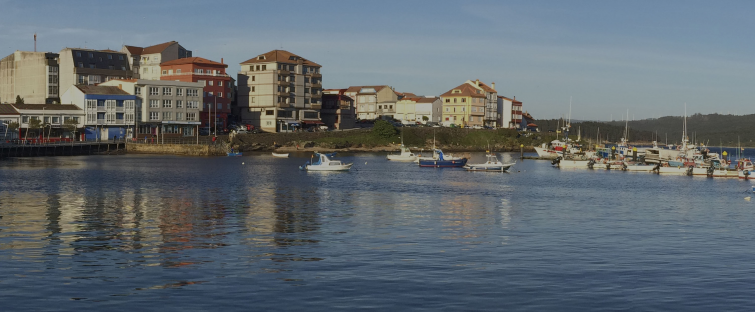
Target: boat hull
(488, 167)
(675, 170)
(546, 153)
(568, 164)
(456, 163)
(639, 168)
(280, 155)
(234, 154)
(345, 167)
(402, 158)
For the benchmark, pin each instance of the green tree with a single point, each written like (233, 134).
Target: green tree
(425, 118)
(70, 125)
(12, 126)
(383, 129)
(19, 99)
(34, 124)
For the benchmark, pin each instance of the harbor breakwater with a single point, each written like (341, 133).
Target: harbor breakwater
(178, 149)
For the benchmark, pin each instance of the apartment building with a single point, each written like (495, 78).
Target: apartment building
(217, 91)
(280, 91)
(146, 62)
(337, 109)
(372, 102)
(91, 67)
(166, 109)
(463, 106)
(428, 108)
(491, 117)
(511, 113)
(110, 112)
(32, 76)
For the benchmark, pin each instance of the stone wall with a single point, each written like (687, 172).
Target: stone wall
(178, 149)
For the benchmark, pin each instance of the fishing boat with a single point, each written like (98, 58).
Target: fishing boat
(405, 154)
(281, 155)
(441, 161)
(571, 163)
(492, 164)
(435, 154)
(638, 167)
(665, 168)
(324, 163)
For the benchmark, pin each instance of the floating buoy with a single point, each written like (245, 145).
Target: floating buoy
(365, 162)
(242, 162)
(747, 198)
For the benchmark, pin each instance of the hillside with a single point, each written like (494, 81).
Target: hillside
(713, 129)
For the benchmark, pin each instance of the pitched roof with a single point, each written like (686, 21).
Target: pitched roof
(427, 100)
(46, 106)
(192, 60)
(105, 90)
(134, 50)
(280, 56)
(158, 48)
(358, 88)
(8, 109)
(466, 90)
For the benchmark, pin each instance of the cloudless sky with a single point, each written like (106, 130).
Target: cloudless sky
(648, 57)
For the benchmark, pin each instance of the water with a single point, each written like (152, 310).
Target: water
(191, 233)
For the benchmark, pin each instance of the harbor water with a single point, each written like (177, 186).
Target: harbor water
(136, 232)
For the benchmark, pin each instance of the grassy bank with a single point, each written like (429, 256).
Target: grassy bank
(450, 139)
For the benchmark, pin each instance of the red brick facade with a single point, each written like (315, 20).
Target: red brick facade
(217, 86)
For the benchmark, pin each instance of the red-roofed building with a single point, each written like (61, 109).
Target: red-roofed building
(145, 62)
(217, 86)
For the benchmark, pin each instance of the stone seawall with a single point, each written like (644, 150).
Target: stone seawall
(177, 149)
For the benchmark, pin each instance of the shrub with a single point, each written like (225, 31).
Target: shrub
(383, 129)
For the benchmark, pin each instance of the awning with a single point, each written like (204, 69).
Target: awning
(312, 122)
(531, 125)
(293, 123)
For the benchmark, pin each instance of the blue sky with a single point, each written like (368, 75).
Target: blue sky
(649, 57)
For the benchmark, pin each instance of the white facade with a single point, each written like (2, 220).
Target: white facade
(102, 111)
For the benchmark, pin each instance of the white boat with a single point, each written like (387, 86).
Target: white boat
(405, 154)
(492, 164)
(639, 167)
(571, 163)
(280, 155)
(724, 173)
(324, 163)
(679, 170)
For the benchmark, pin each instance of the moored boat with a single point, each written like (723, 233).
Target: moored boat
(281, 155)
(324, 163)
(441, 161)
(405, 155)
(492, 164)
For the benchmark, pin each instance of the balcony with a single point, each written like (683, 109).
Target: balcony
(317, 95)
(316, 106)
(283, 72)
(284, 105)
(316, 75)
(284, 83)
(100, 121)
(317, 85)
(283, 93)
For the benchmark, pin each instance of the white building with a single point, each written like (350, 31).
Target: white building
(110, 112)
(145, 62)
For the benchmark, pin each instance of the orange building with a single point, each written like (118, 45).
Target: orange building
(217, 86)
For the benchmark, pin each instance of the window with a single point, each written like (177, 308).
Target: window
(192, 92)
(463, 100)
(46, 119)
(253, 89)
(220, 94)
(110, 117)
(220, 105)
(448, 109)
(55, 120)
(269, 112)
(220, 83)
(78, 54)
(91, 55)
(166, 116)
(123, 67)
(454, 100)
(138, 90)
(129, 104)
(154, 103)
(120, 57)
(167, 104)
(210, 82)
(91, 65)
(129, 118)
(154, 115)
(192, 104)
(154, 91)
(91, 104)
(204, 83)
(145, 70)
(463, 109)
(191, 116)
(179, 104)
(178, 71)
(252, 78)
(258, 67)
(91, 117)
(179, 116)
(179, 92)
(167, 91)
(110, 104)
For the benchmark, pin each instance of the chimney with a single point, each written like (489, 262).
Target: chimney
(120, 86)
(478, 82)
(493, 85)
(221, 60)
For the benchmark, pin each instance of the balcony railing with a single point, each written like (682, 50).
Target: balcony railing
(283, 93)
(284, 105)
(284, 72)
(284, 83)
(196, 74)
(316, 95)
(317, 85)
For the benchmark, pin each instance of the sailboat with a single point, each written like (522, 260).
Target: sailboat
(437, 154)
(405, 155)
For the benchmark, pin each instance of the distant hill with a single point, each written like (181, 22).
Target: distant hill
(713, 129)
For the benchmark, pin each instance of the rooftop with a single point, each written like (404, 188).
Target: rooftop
(193, 60)
(49, 107)
(280, 56)
(463, 90)
(104, 90)
(158, 48)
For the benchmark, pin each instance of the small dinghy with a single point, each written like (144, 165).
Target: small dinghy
(324, 163)
(280, 155)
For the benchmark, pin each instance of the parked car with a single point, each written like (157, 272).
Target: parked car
(477, 127)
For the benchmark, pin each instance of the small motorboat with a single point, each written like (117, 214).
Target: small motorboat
(281, 155)
(441, 161)
(405, 155)
(492, 164)
(324, 163)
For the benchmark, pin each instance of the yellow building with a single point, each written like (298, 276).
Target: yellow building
(463, 106)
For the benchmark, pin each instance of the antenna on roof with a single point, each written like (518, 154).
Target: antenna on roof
(35, 42)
